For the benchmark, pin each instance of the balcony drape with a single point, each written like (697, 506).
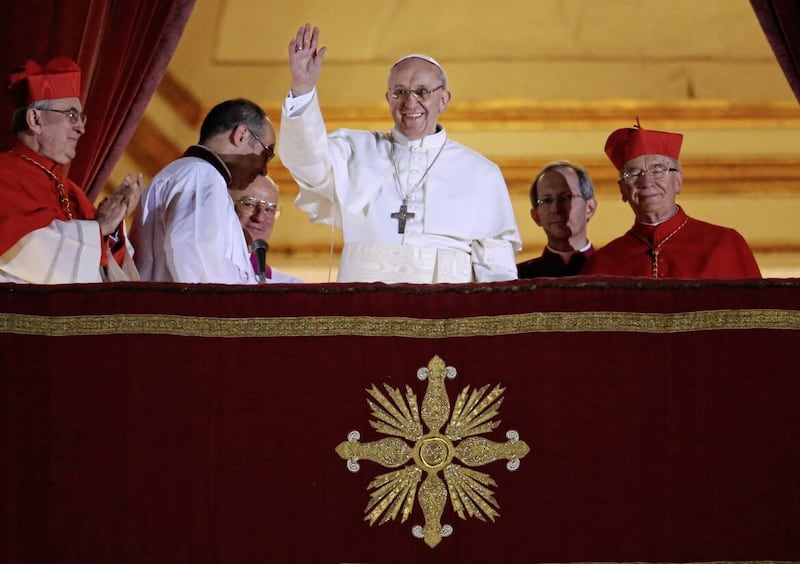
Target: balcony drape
(157, 423)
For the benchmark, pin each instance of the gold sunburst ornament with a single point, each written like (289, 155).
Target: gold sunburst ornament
(432, 453)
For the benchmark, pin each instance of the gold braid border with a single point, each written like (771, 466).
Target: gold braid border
(325, 326)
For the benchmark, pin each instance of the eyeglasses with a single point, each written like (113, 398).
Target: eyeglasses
(657, 173)
(252, 206)
(269, 150)
(562, 198)
(420, 93)
(73, 115)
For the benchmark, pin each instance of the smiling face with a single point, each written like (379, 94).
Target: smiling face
(562, 212)
(414, 116)
(652, 199)
(257, 219)
(56, 137)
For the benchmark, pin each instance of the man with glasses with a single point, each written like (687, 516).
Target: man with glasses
(563, 202)
(50, 233)
(664, 241)
(413, 205)
(258, 207)
(187, 229)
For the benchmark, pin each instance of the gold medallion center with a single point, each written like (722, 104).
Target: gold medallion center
(433, 453)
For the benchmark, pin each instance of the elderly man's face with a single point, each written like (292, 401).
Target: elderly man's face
(416, 116)
(651, 196)
(257, 207)
(57, 132)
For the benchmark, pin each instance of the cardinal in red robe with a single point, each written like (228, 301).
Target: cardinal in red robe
(664, 241)
(50, 232)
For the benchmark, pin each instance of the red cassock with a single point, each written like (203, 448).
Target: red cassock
(681, 247)
(30, 199)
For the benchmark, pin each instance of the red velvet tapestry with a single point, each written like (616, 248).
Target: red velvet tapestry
(581, 421)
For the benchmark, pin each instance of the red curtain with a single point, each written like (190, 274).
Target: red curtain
(780, 20)
(123, 49)
(38, 30)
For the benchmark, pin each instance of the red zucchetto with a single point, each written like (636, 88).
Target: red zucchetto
(60, 78)
(631, 142)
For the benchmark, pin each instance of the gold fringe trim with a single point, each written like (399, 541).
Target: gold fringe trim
(325, 326)
(688, 562)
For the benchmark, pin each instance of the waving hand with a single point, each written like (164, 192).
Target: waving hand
(305, 59)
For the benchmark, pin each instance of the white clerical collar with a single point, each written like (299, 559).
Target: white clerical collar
(568, 254)
(433, 141)
(673, 214)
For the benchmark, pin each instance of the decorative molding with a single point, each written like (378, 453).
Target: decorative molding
(708, 175)
(540, 115)
(152, 148)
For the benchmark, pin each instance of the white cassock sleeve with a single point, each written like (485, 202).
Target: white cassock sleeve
(64, 252)
(303, 149)
(493, 260)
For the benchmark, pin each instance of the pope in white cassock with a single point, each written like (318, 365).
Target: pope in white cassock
(413, 205)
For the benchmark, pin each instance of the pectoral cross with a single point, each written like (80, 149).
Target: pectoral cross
(401, 216)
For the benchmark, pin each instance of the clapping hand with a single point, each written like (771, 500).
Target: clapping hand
(112, 210)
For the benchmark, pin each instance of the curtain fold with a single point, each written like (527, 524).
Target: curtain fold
(140, 40)
(780, 20)
(38, 30)
(123, 49)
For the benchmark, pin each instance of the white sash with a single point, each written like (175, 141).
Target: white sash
(376, 262)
